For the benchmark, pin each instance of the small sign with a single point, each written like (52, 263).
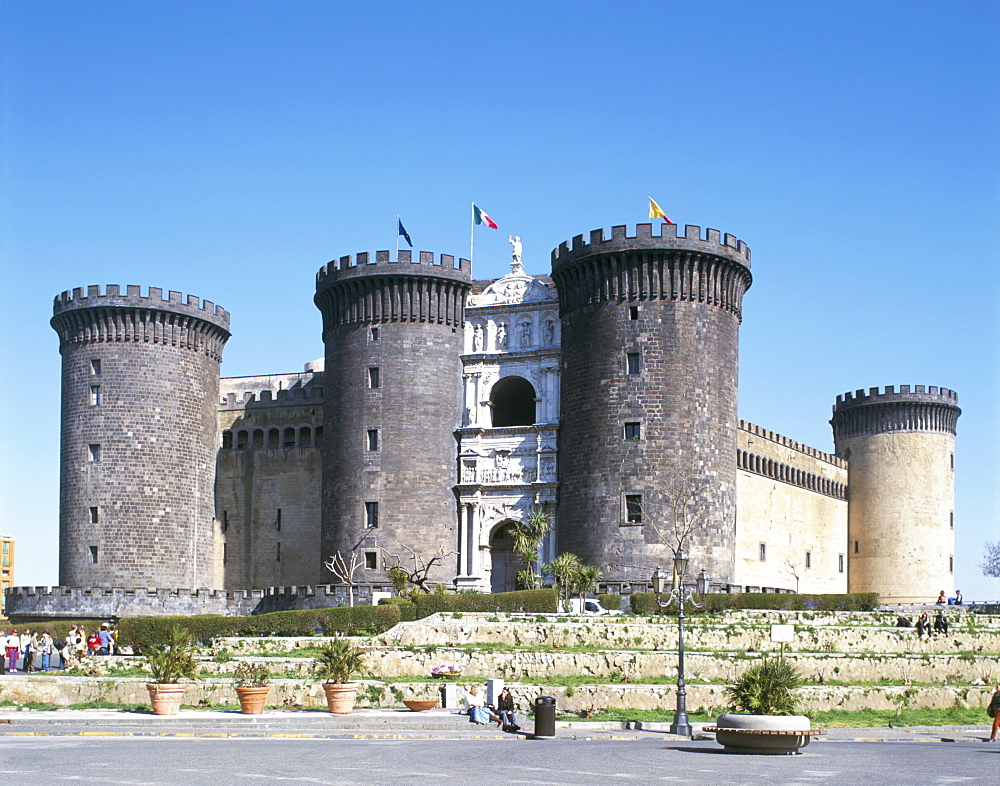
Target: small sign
(782, 633)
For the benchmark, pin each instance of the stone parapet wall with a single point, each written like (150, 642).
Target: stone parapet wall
(64, 691)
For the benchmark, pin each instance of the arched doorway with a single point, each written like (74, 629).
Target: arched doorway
(513, 400)
(504, 561)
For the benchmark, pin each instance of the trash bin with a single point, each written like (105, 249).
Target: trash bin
(545, 718)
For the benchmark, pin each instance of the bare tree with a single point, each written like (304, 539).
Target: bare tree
(991, 559)
(416, 573)
(684, 510)
(793, 570)
(343, 571)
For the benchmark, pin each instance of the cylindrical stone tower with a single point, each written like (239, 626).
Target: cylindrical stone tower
(900, 452)
(648, 437)
(140, 383)
(393, 335)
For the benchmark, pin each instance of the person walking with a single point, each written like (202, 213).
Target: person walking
(993, 710)
(24, 647)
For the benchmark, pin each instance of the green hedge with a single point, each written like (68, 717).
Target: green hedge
(140, 632)
(543, 601)
(645, 603)
(407, 608)
(611, 602)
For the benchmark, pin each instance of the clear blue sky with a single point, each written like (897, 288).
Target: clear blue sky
(229, 149)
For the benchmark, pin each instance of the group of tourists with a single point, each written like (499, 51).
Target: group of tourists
(30, 651)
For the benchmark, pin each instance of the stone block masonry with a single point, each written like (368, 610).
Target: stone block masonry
(140, 380)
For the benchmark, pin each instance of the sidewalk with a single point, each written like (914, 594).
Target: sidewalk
(386, 724)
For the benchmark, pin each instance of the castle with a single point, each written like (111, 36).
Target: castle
(447, 408)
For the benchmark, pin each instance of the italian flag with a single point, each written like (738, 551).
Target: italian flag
(482, 218)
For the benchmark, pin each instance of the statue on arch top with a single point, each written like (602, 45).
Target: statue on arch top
(515, 264)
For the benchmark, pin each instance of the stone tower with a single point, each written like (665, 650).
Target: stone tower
(393, 333)
(140, 382)
(650, 329)
(900, 449)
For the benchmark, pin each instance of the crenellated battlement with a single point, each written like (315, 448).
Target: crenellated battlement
(758, 431)
(274, 398)
(381, 263)
(928, 393)
(113, 297)
(693, 239)
(911, 408)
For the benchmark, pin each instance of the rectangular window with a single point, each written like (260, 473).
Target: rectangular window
(225, 553)
(633, 431)
(857, 547)
(93, 515)
(94, 452)
(633, 312)
(951, 520)
(373, 439)
(6, 547)
(951, 564)
(762, 554)
(374, 334)
(225, 521)
(95, 395)
(371, 560)
(277, 521)
(809, 559)
(93, 554)
(373, 380)
(633, 508)
(371, 515)
(840, 563)
(633, 363)
(95, 367)
(277, 551)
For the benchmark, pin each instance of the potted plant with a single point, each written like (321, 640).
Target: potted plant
(763, 704)
(336, 663)
(169, 662)
(252, 681)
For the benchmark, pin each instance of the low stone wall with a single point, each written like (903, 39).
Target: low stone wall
(63, 691)
(746, 634)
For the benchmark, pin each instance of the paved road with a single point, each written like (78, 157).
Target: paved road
(511, 760)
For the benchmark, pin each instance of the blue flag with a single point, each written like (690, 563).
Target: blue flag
(403, 233)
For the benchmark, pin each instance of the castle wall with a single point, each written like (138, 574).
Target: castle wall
(393, 336)
(140, 376)
(268, 480)
(650, 338)
(900, 448)
(791, 499)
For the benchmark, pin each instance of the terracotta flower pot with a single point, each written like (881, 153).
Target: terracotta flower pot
(420, 705)
(252, 700)
(165, 698)
(340, 696)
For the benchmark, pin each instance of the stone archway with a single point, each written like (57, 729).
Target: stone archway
(505, 563)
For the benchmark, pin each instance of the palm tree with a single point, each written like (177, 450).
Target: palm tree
(585, 580)
(528, 536)
(563, 568)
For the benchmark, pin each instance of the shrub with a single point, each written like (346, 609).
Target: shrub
(251, 675)
(611, 602)
(338, 661)
(171, 661)
(543, 601)
(645, 602)
(766, 688)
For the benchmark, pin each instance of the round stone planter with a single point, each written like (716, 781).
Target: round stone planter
(766, 734)
(252, 700)
(340, 696)
(165, 698)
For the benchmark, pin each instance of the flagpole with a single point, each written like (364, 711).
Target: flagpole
(397, 236)
(472, 233)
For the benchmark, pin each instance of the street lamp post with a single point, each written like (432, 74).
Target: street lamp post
(679, 595)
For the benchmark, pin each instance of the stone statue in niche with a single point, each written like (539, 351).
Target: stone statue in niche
(501, 335)
(525, 335)
(549, 332)
(477, 339)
